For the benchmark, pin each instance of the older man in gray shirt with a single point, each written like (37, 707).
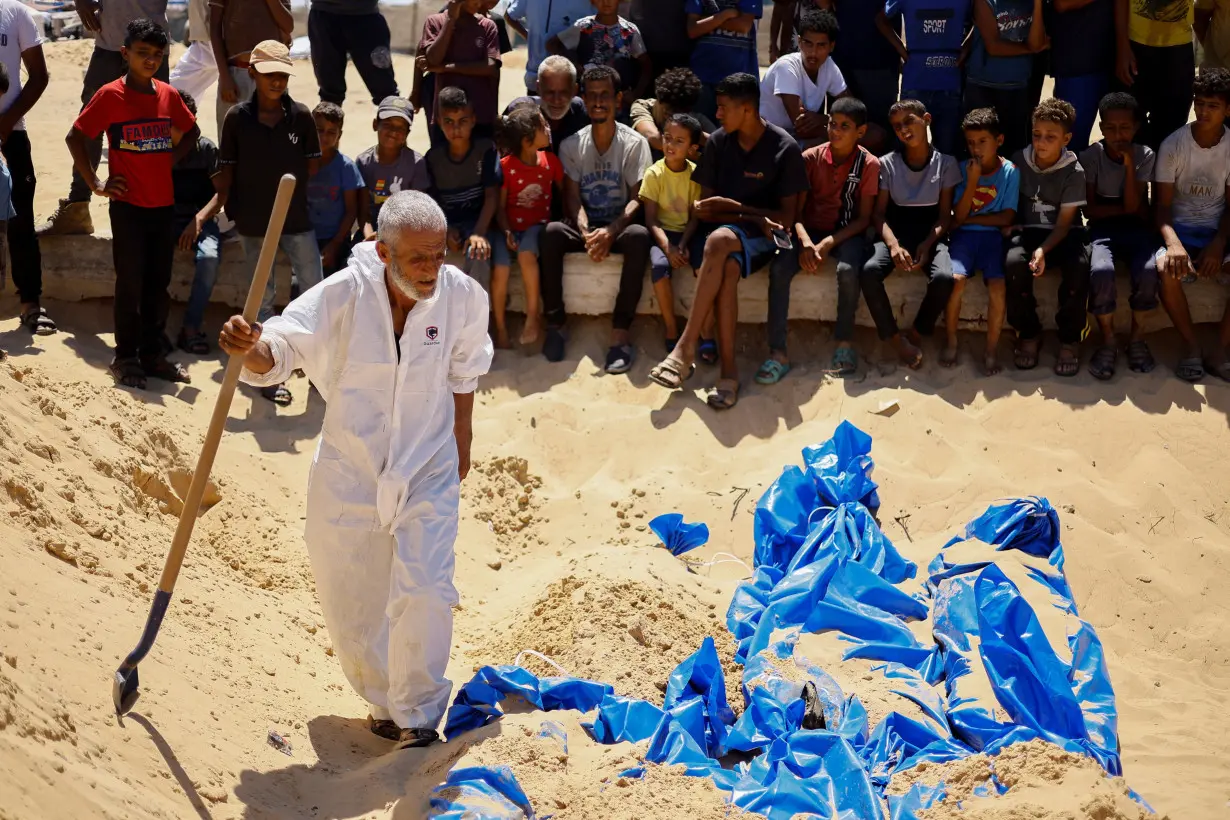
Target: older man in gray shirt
(109, 20)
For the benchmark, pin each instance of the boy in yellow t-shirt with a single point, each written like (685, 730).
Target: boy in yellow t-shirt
(1157, 63)
(668, 192)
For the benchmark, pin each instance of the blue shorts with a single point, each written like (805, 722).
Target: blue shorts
(659, 264)
(758, 250)
(1194, 240)
(527, 240)
(974, 251)
(499, 248)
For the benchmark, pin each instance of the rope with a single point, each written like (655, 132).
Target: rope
(521, 656)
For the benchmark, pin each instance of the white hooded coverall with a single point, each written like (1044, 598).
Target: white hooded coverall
(383, 491)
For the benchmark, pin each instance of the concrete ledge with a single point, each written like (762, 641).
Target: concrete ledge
(80, 267)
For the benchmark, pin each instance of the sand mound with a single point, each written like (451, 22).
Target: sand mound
(501, 492)
(628, 633)
(1043, 781)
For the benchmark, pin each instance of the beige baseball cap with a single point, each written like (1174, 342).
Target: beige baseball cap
(271, 57)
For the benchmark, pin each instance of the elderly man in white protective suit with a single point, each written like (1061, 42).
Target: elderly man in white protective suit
(395, 344)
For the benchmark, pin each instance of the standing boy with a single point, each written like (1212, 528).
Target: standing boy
(1082, 58)
(390, 165)
(912, 214)
(333, 191)
(725, 35)
(1192, 183)
(1052, 190)
(235, 28)
(465, 177)
(1118, 171)
(833, 218)
(462, 46)
(986, 204)
(148, 129)
(1156, 61)
(1007, 35)
(262, 139)
(607, 39)
(797, 88)
(354, 28)
(196, 205)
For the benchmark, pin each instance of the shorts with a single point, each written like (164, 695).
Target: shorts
(499, 248)
(974, 251)
(659, 264)
(758, 250)
(1194, 240)
(527, 241)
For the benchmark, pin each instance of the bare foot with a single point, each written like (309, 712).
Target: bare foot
(910, 353)
(532, 330)
(991, 365)
(948, 357)
(501, 340)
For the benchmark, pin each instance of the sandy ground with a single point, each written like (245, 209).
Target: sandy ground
(89, 477)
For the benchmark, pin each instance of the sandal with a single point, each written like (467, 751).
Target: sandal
(1222, 371)
(1068, 363)
(417, 738)
(669, 373)
(772, 372)
(197, 343)
(845, 362)
(128, 372)
(166, 370)
(724, 395)
(386, 729)
(37, 322)
(1190, 369)
(1025, 356)
(707, 351)
(1102, 365)
(278, 394)
(1140, 357)
(619, 359)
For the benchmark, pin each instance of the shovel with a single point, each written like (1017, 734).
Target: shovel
(124, 687)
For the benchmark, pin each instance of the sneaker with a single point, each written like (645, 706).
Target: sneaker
(68, 219)
(553, 345)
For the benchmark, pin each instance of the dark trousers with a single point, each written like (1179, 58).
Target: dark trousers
(365, 38)
(143, 250)
(1071, 261)
(1014, 107)
(560, 238)
(939, 287)
(849, 256)
(1132, 243)
(23, 243)
(1163, 87)
(105, 66)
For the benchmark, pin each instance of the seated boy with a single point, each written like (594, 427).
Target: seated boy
(912, 215)
(986, 204)
(466, 182)
(390, 165)
(1118, 171)
(833, 218)
(796, 88)
(751, 175)
(1052, 191)
(607, 39)
(196, 205)
(676, 92)
(667, 194)
(1193, 182)
(149, 128)
(333, 191)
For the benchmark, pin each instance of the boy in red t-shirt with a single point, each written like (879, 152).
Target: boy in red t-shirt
(148, 128)
(530, 175)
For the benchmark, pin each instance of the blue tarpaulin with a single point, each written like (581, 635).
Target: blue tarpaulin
(993, 599)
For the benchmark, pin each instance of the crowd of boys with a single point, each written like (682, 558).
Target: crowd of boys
(963, 170)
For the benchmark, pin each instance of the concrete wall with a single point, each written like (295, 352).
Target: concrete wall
(79, 267)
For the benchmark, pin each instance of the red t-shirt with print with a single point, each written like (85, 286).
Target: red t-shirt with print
(138, 126)
(529, 189)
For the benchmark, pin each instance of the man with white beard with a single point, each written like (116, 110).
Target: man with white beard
(395, 344)
(557, 96)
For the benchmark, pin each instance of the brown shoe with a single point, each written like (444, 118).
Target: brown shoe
(68, 219)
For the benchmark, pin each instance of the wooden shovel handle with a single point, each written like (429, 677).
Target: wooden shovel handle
(222, 407)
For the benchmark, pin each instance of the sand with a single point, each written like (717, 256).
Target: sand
(88, 478)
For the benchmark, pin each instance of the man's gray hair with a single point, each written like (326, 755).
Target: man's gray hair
(557, 63)
(409, 211)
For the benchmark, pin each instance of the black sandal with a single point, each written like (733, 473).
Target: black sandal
(197, 343)
(1102, 365)
(166, 370)
(386, 729)
(128, 373)
(37, 322)
(1140, 357)
(278, 394)
(417, 738)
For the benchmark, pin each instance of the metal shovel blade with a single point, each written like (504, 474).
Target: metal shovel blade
(124, 687)
(124, 691)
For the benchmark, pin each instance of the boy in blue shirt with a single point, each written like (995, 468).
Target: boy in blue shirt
(983, 208)
(725, 35)
(930, 56)
(333, 191)
(1007, 34)
(1118, 171)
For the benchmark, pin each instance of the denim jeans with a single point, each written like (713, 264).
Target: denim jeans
(849, 256)
(208, 245)
(939, 288)
(945, 110)
(304, 255)
(1134, 244)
